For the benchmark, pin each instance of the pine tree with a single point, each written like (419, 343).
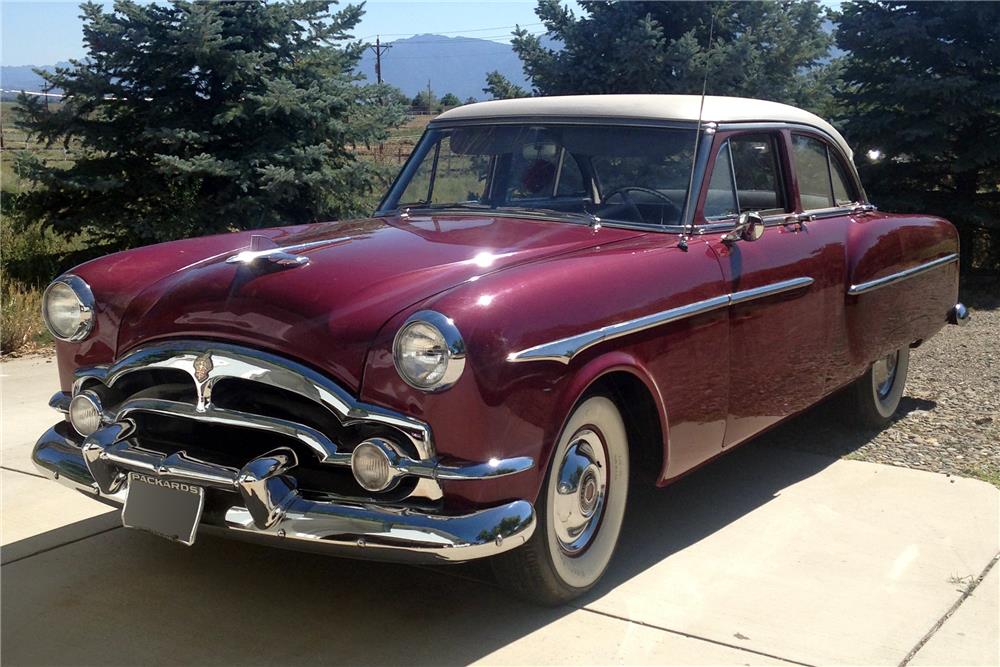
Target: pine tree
(198, 117)
(922, 90)
(499, 87)
(770, 50)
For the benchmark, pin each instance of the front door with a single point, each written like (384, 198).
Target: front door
(784, 286)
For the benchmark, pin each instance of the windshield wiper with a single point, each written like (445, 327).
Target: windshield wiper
(585, 216)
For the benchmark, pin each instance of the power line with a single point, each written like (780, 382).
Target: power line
(379, 49)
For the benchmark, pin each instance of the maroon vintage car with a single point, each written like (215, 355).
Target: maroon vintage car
(558, 298)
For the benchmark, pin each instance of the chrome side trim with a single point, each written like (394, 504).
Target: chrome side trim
(893, 278)
(769, 290)
(564, 349)
(209, 362)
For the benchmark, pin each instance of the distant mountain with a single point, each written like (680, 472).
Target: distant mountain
(452, 65)
(21, 77)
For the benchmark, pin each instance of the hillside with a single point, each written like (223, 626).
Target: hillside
(452, 64)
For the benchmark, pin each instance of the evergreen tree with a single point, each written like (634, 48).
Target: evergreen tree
(198, 117)
(425, 102)
(498, 87)
(922, 89)
(770, 50)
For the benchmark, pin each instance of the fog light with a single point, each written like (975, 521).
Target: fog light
(373, 463)
(85, 413)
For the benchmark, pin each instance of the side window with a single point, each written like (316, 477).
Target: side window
(823, 181)
(750, 163)
(813, 171)
(843, 191)
(721, 199)
(758, 178)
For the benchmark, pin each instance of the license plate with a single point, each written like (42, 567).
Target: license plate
(166, 508)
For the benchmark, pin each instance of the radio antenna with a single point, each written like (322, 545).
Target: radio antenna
(683, 245)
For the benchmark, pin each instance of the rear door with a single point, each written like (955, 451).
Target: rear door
(785, 285)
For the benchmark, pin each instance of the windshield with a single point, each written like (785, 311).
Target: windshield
(618, 173)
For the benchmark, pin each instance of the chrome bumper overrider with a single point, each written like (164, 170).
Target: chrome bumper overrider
(266, 504)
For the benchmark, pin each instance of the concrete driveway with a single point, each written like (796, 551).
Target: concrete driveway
(764, 557)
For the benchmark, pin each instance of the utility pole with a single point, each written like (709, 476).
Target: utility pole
(379, 49)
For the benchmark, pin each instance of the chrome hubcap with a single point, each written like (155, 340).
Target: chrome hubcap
(580, 492)
(884, 374)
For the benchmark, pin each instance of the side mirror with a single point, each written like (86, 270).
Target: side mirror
(749, 228)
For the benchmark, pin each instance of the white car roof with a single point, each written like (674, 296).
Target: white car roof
(646, 107)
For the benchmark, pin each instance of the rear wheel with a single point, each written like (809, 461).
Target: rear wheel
(580, 509)
(874, 397)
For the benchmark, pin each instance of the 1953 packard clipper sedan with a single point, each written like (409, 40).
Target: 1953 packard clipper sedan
(557, 298)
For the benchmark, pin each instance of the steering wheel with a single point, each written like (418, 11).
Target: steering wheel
(623, 191)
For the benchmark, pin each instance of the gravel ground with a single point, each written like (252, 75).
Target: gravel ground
(949, 417)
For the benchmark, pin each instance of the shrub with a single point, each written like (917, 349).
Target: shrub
(20, 316)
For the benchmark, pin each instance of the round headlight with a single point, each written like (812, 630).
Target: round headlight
(429, 352)
(85, 413)
(68, 308)
(373, 465)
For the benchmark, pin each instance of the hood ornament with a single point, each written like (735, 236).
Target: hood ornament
(263, 249)
(203, 366)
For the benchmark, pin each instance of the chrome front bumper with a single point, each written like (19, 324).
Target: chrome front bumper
(266, 506)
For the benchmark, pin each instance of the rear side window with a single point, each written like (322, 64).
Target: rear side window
(746, 177)
(823, 181)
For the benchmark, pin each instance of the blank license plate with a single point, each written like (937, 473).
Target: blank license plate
(167, 508)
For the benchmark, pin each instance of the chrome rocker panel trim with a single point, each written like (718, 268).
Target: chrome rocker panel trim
(893, 278)
(275, 513)
(565, 349)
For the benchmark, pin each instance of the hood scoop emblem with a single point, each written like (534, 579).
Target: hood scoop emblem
(263, 250)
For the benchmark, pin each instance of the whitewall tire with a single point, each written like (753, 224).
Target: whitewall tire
(874, 397)
(580, 509)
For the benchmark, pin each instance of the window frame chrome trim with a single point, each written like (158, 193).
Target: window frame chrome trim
(564, 350)
(899, 276)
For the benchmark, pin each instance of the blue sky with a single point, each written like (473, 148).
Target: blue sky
(43, 33)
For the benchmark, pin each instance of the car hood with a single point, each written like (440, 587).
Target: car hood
(326, 311)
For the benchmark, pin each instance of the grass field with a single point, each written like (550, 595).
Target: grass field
(16, 140)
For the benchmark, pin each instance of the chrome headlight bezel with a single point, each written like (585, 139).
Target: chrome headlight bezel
(451, 344)
(85, 299)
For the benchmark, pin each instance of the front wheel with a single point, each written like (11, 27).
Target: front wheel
(580, 509)
(874, 397)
